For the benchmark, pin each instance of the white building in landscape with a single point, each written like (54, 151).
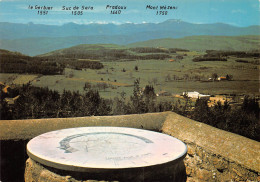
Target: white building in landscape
(196, 95)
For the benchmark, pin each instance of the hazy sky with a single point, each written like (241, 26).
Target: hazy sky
(235, 12)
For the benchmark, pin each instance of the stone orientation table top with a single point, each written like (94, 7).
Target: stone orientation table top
(87, 149)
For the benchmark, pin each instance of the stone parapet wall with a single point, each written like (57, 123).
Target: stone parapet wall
(27, 129)
(203, 165)
(213, 154)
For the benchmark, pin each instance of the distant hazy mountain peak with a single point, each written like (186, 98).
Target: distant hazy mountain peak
(173, 21)
(70, 24)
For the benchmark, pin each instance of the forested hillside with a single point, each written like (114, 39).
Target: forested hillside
(14, 62)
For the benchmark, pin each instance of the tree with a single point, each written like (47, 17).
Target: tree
(71, 74)
(87, 86)
(250, 105)
(229, 77)
(214, 76)
(138, 105)
(149, 91)
(149, 98)
(168, 78)
(120, 106)
(185, 76)
(103, 86)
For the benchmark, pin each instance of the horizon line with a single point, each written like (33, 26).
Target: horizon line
(127, 22)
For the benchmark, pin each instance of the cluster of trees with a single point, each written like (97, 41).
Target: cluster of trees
(99, 53)
(17, 63)
(243, 120)
(178, 49)
(213, 55)
(157, 50)
(35, 102)
(99, 86)
(242, 61)
(150, 56)
(24, 64)
(149, 50)
(215, 77)
(128, 56)
(193, 77)
(240, 54)
(69, 62)
(81, 64)
(207, 58)
(110, 54)
(256, 61)
(169, 77)
(141, 101)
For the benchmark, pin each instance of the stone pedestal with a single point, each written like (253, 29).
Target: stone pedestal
(105, 154)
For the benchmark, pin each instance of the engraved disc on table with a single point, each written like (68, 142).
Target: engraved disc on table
(85, 148)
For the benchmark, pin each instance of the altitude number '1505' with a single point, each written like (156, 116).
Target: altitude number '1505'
(77, 12)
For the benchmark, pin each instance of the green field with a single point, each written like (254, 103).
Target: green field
(202, 43)
(174, 77)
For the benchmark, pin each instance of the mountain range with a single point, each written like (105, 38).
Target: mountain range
(33, 39)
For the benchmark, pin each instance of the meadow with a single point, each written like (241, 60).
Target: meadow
(175, 75)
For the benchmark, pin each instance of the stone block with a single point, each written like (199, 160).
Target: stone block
(200, 152)
(219, 163)
(190, 171)
(191, 151)
(238, 174)
(204, 175)
(190, 179)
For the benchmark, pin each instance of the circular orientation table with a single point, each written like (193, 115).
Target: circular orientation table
(108, 150)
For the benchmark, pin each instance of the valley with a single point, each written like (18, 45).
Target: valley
(175, 72)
